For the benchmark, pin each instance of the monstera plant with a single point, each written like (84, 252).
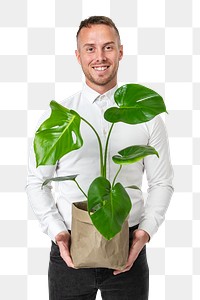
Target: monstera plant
(108, 202)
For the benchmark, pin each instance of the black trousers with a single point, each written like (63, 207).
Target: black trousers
(66, 283)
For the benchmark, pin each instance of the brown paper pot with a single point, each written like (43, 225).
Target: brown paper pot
(89, 249)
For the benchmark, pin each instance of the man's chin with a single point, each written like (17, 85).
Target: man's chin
(101, 81)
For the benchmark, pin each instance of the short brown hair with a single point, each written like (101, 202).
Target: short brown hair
(97, 20)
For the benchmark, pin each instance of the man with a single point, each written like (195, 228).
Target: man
(99, 51)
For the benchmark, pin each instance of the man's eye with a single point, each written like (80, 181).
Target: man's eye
(108, 48)
(90, 49)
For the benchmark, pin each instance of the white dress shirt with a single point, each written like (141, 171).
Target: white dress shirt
(54, 215)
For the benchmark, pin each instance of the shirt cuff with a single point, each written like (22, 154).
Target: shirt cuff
(148, 226)
(56, 227)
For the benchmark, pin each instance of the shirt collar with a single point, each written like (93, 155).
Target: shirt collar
(92, 95)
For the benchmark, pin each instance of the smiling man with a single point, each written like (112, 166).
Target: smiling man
(99, 52)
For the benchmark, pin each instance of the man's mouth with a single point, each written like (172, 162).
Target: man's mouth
(100, 68)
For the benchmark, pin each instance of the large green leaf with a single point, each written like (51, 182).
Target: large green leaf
(133, 154)
(108, 206)
(58, 135)
(137, 104)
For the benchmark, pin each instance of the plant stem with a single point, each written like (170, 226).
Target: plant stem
(106, 151)
(80, 188)
(100, 145)
(116, 175)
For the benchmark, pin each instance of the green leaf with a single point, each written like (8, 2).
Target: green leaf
(61, 178)
(134, 187)
(137, 104)
(58, 135)
(108, 207)
(133, 154)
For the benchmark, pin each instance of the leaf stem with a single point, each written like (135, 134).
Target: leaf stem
(80, 188)
(116, 175)
(106, 151)
(100, 145)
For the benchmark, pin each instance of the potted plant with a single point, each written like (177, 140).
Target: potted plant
(107, 203)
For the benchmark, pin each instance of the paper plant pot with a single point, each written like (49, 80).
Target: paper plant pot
(89, 249)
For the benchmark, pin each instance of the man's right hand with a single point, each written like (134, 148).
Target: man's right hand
(63, 241)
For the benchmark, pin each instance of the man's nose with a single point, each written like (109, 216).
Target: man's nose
(100, 55)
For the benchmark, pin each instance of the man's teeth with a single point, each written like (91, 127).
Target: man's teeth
(100, 68)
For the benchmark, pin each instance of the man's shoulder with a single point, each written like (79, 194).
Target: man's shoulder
(69, 102)
(72, 100)
(156, 125)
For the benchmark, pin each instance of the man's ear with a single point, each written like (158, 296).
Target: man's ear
(121, 52)
(77, 56)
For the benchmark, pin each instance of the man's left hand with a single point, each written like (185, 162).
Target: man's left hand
(140, 238)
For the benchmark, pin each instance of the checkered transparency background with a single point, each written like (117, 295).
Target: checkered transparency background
(37, 63)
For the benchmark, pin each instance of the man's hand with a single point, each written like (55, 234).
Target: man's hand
(63, 241)
(140, 238)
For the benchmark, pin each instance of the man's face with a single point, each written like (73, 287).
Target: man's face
(99, 52)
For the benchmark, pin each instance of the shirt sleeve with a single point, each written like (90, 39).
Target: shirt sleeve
(41, 199)
(159, 174)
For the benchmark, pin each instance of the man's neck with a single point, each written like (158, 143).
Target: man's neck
(100, 88)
